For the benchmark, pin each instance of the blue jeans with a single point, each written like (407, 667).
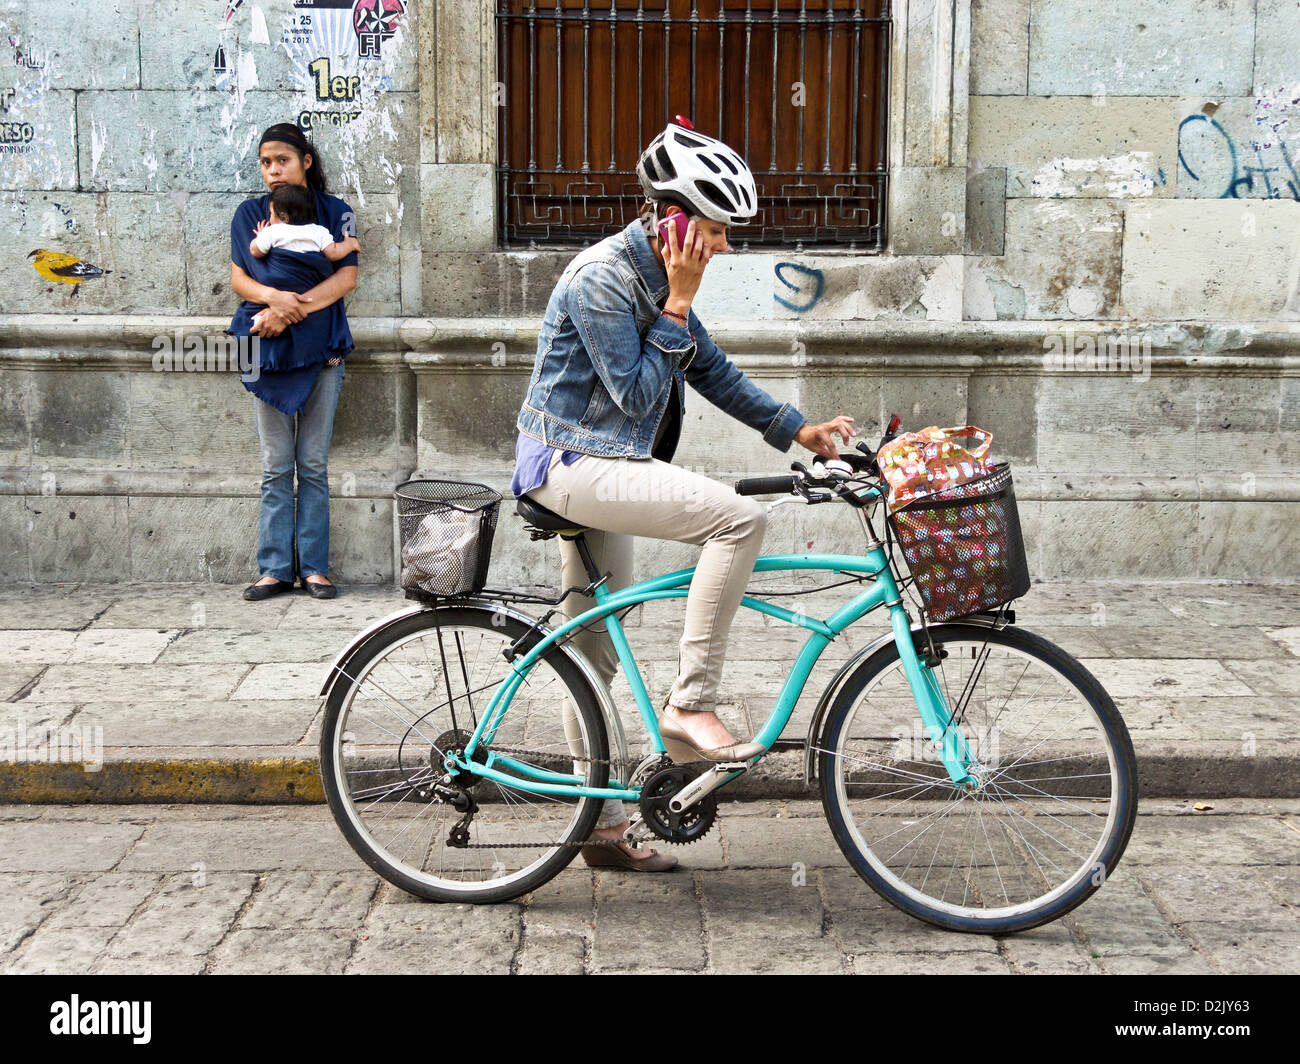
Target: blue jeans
(302, 443)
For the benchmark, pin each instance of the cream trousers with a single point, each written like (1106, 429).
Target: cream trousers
(619, 498)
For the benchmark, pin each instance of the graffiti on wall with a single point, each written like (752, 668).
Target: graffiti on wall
(1215, 163)
(803, 286)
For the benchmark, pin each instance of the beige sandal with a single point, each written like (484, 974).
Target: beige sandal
(683, 750)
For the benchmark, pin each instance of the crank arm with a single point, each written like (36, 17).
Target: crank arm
(705, 784)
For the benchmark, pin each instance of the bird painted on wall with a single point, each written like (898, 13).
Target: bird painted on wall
(64, 268)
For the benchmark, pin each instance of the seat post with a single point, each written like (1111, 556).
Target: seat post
(584, 552)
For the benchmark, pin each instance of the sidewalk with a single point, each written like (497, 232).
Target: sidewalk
(201, 697)
(188, 889)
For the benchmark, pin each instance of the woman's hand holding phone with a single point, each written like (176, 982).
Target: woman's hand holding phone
(686, 254)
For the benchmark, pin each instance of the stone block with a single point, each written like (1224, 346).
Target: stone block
(986, 210)
(458, 206)
(738, 288)
(1238, 429)
(929, 399)
(1070, 146)
(1062, 261)
(471, 411)
(361, 540)
(1229, 260)
(458, 52)
(78, 538)
(926, 103)
(1006, 405)
(1093, 422)
(379, 273)
(220, 153)
(45, 154)
(928, 205)
(1141, 48)
(1277, 40)
(1114, 540)
(64, 847)
(194, 420)
(999, 47)
(368, 425)
(180, 51)
(81, 416)
(15, 422)
(80, 46)
(1248, 540)
(137, 238)
(199, 538)
(512, 284)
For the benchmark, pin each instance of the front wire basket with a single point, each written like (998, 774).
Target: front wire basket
(964, 546)
(446, 530)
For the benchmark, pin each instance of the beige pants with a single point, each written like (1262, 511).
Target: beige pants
(623, 497)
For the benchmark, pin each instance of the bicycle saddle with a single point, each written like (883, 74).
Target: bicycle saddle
(537, 515)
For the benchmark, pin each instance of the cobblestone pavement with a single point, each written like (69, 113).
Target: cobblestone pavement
(197, 695)
(212, 888)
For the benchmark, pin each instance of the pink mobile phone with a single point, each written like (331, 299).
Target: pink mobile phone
(681, 223)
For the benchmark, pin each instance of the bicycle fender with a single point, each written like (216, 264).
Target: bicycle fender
(833, 688)
(613, 723)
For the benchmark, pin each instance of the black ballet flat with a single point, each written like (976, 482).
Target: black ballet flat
(257, 592)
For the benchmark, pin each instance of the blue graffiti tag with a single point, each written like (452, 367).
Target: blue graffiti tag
(1220, 153)
(801, 288)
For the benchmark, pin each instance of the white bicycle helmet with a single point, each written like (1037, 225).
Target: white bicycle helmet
(701, 172)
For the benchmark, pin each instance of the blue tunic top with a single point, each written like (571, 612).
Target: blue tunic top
(289, 364)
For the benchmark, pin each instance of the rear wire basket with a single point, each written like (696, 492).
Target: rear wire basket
(446, 530)
(964, 547)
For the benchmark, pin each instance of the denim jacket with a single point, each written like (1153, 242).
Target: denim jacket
(607, 358)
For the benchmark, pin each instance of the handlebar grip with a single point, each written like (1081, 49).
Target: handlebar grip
(766, 485)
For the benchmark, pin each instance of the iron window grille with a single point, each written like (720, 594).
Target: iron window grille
(798, 87)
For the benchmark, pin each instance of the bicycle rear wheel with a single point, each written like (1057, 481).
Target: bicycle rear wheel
(401, 704)
(1057, 793)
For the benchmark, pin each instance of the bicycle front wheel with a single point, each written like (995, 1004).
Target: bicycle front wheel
(401, 705)
(1056, 792)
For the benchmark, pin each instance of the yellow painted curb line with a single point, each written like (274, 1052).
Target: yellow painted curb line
(270, 780)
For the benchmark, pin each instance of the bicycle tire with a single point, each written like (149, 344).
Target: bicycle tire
(372, 768)
(869, 745)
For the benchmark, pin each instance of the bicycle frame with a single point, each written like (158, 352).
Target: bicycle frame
(935, 714)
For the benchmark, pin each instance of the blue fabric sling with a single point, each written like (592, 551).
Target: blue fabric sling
(289, 364)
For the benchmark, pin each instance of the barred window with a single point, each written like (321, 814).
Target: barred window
(798, 87)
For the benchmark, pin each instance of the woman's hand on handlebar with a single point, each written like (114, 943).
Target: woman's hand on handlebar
(817, 438)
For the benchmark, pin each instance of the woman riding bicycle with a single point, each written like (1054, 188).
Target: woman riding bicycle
(601, 420)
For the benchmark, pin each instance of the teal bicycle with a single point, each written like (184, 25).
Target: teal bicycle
(974, 774)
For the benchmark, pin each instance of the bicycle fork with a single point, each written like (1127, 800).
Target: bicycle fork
(936, 715)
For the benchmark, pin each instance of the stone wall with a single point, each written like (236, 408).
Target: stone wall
(1094, 251)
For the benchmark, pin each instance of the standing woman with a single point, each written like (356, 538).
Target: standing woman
(599, 425)
(294, 305)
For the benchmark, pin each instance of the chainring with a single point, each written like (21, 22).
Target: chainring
(677, 828)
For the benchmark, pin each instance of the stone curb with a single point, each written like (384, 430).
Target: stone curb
(1166, 770)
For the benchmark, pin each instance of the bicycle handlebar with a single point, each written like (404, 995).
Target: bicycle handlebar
(766, 485)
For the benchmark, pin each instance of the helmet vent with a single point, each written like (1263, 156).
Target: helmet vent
(710, 164)
(727, 163)
(688, 140)
(715, 196)
(669, 171)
